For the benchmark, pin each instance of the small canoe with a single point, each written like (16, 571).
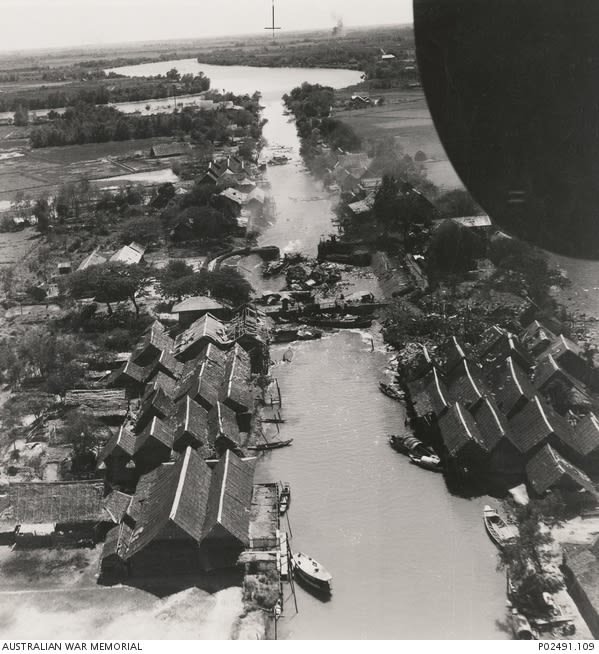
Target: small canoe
(306, 569)
(428, 462)
(284, 498)
(499, 531)
(271, 445)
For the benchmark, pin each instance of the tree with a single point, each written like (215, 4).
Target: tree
(528, 560)
(163, 195)
(145, 230)
(108, 283)
(21, 117)
(173, 75)
(171, 276)
(453, 249)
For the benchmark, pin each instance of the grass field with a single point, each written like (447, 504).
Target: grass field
(405, 117)
(42, 170)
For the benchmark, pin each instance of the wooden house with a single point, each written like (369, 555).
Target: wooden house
(55, 513)
(537, 338)
(497, 344)
(465, 384)
(536, 425)
(450, 355)
(109, 405)
(461, 437)
(553, 381)
(154, 341)
(235, 390)
(569, 356)
(505, 460)
(168, 514)
(155, 404)
(193, 308)
(429, 400)
(183, 519)
(548, 469)
(116, 458)
(153, 446)
(132, 377)
(207, 329)
(225, 531)
(190, 425)
(511, 387)
(223, 429)
(202, 381)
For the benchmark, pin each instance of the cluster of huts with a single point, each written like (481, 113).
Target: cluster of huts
(512, 409)
(176, 487)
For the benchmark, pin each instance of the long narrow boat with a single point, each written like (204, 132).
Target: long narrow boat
(306, 569)
(428, 462)
(271, 445)
(499, 531)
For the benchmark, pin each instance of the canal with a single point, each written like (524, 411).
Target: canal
(409, 560)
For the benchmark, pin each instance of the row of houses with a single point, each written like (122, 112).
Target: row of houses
(490, 409)
(193, 390)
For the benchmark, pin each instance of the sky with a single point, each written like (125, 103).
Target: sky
(26, 24)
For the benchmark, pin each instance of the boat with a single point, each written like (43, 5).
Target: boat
(408, 444)
(343, 322)
(284, 498)
(270, 445)
(288, 334)
(392, 390)
(499, 531)
(428, 462)
(306, 569)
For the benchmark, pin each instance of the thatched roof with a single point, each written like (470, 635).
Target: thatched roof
(222, 422)
(465, 385)
(123, 442)
(156, 431)
(459, 430)
(190, 422)
(178, 496)
(536, 423)
(586, 435)
(511, 385)
(55, 502)
(102, 403)
(491, 422)
(429, 395)
(547, 468)
(152, 343)
(230, 497)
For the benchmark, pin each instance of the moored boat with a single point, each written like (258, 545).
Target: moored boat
(428, 462)
(284, 498)
(306, 569)
(409, 444)
(499, 531)
(392, 390)
(271, 445)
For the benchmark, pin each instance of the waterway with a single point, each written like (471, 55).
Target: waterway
(409, 559)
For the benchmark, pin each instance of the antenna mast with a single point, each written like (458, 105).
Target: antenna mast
(273, 28)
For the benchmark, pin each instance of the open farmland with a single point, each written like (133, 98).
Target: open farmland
(44, 169)
(405, 117)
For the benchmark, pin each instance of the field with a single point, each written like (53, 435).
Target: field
(41, 171)
(404, 117)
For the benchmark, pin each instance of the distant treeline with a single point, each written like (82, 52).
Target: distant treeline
(88, 123)
(356, 54)
(129, 90)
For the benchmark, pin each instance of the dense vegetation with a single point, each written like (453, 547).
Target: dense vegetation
(105, 92)
(87, 123)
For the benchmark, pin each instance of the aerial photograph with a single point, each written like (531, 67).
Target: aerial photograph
(299, 320)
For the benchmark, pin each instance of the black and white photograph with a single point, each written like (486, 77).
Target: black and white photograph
(299, 322)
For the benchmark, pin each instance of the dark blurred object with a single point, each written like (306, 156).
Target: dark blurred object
(513, 88)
